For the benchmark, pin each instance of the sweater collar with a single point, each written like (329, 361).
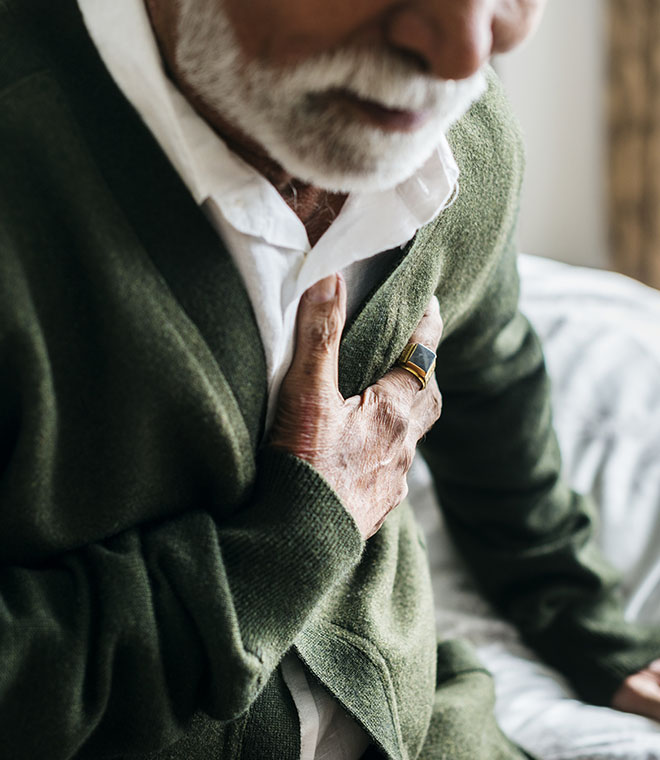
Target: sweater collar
(172, 228)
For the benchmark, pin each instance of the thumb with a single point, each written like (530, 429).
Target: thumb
(321, 318)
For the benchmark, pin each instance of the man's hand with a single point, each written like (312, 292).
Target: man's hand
(640, 693)
(363, 446)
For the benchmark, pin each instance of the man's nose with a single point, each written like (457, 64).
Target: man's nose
(452, 39)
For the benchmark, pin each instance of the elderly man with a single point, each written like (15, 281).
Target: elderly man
(201, 555)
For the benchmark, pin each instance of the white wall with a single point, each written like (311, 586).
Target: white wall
(556, 85)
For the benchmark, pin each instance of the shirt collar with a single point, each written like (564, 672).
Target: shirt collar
(124, 38)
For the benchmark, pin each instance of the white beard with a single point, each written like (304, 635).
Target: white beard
(314, 138)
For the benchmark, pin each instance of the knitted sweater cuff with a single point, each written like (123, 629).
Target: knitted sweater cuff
(298, 542)
(611, 660)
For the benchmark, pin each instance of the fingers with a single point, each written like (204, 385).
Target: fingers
(309, 404)
(426, 410)
(640, 693)
(321, 318)
(428, 332)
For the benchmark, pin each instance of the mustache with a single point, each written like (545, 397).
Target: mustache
(381, 76)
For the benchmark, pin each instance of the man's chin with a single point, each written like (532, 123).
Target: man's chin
(353, 172)
(355, 183)
(344, 144)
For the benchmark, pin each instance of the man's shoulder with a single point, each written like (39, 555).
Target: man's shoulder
(487, 139)
(474, 238)
(488, 148)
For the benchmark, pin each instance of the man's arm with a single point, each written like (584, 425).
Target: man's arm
(526, 536)
(363, 445)
(113, 639)
(114, 646)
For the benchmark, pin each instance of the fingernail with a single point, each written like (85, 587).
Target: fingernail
(324, 290)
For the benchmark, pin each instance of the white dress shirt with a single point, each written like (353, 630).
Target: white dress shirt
(270, 248)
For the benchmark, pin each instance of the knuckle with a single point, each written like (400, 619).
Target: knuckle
(398, 494)
(433, 412)
(369, 396)
(378, 393)
(405, 460)
(392, 419)
(436, 403)
(429, 330)
(433, 307)
(404, 383)
(320, 333)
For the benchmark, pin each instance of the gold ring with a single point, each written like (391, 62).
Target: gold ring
(419, 360)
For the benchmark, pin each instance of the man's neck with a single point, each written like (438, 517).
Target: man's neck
(316, 208)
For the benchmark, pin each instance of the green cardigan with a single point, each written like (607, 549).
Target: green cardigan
(155, 564)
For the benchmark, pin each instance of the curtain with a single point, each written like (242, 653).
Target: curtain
(634, 137)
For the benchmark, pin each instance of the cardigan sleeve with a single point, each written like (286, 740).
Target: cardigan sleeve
(120, 621)
(528, 538)
(203, 612)
(134, 593)
(113, 639)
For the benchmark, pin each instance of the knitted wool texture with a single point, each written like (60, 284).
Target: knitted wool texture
(155, 565)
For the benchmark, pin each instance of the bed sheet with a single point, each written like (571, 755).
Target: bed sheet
(601, 336)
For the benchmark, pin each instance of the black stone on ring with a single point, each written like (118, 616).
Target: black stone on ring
(419, 361)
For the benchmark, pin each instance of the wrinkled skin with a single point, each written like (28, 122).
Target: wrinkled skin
(364, 445)
(444, 39)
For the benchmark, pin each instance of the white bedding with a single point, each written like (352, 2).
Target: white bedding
(601, 334)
